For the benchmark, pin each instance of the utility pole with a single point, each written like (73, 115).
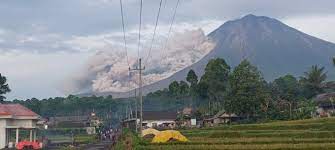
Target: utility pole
(140, 69)
(136, 110)
(136, 105)
(127, 117)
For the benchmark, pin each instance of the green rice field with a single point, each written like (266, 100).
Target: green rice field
(282, 135)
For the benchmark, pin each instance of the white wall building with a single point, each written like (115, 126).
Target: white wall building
(13, 118)
(153, 119)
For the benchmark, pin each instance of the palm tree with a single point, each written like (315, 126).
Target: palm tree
(313, 79)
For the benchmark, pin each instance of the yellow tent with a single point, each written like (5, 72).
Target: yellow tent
(150, 131)
(165, 136)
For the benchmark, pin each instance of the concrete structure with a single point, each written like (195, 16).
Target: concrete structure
(159, 119)
(15, 118)
(70, 121)
(152, 119)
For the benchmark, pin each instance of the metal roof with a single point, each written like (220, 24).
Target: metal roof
(159, 115)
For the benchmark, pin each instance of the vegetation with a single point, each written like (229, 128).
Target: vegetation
(247, 95)
(241, 90)
(300, 134)
(128, 141)
(4, 88)
(312, 81)
(106, 108)
(214, 83)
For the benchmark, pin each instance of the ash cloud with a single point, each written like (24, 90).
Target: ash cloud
(107, 70)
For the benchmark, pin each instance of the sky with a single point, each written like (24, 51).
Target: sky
(46, 45)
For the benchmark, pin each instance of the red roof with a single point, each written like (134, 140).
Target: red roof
(16, 110)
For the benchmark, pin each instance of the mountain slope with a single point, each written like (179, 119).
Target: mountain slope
(275, 48)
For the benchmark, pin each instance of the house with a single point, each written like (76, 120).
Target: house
(186, 118)
(187, 112)
(221, 117)
(130, 123)
(87, 122)
(70, 121)
(14, 118)
(159, 119)
(325, 104)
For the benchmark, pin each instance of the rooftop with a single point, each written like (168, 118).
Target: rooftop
(159, 115)
(16, 110)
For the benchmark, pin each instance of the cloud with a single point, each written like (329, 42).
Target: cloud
(107, 71)
(38, 75)
(86, 17)
(318, 26)
(82, 27)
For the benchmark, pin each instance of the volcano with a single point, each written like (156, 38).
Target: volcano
(274, 47)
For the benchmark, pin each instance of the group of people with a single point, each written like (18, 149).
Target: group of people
(110, 134)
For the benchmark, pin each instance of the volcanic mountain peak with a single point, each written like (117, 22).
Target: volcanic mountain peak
(274, 47)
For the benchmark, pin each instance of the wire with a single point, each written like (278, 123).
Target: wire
(124, 32)
(139, 31)
(170, 29)
(165, 3)
(154, 34)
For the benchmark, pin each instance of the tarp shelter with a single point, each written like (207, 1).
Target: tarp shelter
(165, 136)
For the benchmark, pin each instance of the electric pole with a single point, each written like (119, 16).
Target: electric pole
(140, 69)
(136, 110)
(135, 99)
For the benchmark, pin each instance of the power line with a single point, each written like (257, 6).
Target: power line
(165, 3)
(154, 34)
(124, 32)
(172, 22)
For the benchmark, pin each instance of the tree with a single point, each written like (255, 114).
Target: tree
(192, 78)
(214, 81)
(183, 88)
(286, 87)
(312, 81)
(174, 89)
(247, 94)
(4, 88)
(286, 92)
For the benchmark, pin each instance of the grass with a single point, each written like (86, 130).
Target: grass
(85, 139)
(310, 134)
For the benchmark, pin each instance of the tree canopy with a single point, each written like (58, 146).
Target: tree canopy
(286, 88)
(312, 81)
(192, 78)
(214, 81)
(4, 88)
(247, 91)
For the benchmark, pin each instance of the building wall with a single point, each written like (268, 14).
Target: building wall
(22, 123)
(153, 123)
(2, 133)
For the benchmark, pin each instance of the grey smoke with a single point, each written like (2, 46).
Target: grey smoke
(107, 70)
